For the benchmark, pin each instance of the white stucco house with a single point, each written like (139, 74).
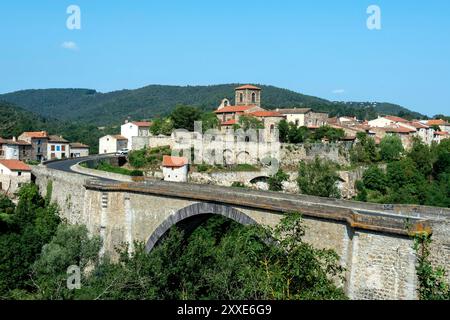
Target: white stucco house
(78, 150)
(57, 147)
(135, 129)
(175, 169)
(112, 144)
(386, 121)
(13, 174)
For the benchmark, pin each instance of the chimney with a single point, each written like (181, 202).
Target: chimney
(14, 139)
(126, 121)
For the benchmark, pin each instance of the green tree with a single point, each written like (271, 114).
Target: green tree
(71, 246)
(391, 148)
(184, 117)
(247, 122)
(332, 134)
(283, 128)
(276, 181)
(32, 225)
(319, 178)
(375, 179)
(365, 150)
(162, 126)
(298, 134)
(209, 121)
(421, 155)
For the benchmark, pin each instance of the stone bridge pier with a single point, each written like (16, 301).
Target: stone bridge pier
(373, 241)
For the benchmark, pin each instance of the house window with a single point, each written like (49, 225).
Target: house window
(58, 148)
(253, 97)
(19, 173)
(52, 148)
(39, 150)
(241, 97)
(39, 142)
(63, 148)
(297, 122)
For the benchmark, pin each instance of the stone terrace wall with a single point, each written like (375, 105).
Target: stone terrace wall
(291, 154)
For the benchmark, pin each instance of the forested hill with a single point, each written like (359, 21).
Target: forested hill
(15, 120)
(86, 105)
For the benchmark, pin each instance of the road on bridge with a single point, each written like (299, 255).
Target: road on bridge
(67, 164)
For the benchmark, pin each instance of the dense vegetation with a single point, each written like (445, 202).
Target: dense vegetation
(290, 133)
(24, 230)
(418, 176)
(318, 178)
(433, 284)
(219, 260)
(89, 106)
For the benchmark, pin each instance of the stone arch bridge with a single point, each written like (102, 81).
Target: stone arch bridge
(373, 241)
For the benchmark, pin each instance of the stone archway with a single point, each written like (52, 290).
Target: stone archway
(196, 214)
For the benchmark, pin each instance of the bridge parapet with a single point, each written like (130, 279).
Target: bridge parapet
(367, 217)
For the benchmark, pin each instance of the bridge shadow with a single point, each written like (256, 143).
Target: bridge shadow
(190, 218)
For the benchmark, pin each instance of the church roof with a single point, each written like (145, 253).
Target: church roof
(248, 86)
(233, 109)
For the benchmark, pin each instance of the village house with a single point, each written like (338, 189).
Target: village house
(387, 121)
(423, 131)
(38, 141)
(57, 147)
(135, 129)
(305, 117)
(442, 124)
(13, 174)
(78, 150)
(440, 135)
(13, 149)
(112, 144)
(175, 169)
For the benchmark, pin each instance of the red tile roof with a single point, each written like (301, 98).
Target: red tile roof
(56, 139)
(15, 165)
(174, 162)
(12, 142)
(441, 133)
(234, 109)
(119, 137)
(78, 145)
(418, 125)
(294, 111)
(396, 119)
(229, 122)
(36, 134)
(436, 122)
(142, 123)
(248, 86)
(266, 114)
(399, 130)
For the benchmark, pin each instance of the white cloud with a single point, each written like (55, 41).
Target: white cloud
(338, 91)
(69, 45)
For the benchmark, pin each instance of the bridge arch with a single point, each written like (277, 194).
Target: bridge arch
(195, 215)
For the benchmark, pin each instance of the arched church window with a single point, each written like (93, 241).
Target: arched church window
(241, 97)
(253, 97)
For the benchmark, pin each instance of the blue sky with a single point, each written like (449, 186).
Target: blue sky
(320, 47)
